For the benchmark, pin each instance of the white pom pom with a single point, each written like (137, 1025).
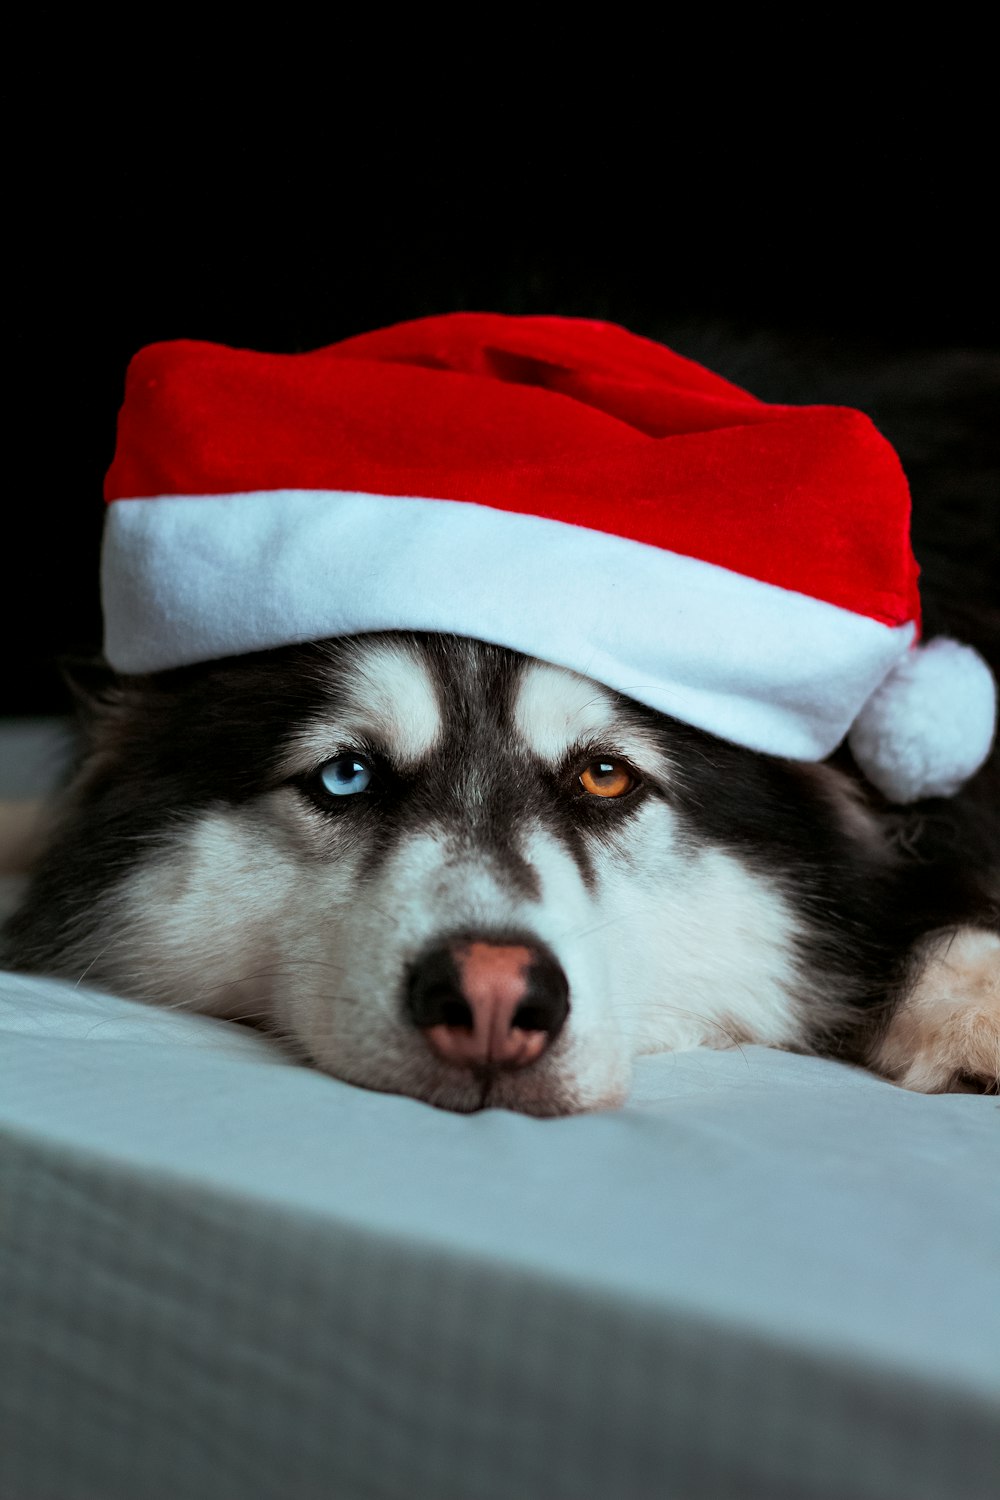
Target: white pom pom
(930, 725)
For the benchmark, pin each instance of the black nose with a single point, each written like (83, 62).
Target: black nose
(482, 1000)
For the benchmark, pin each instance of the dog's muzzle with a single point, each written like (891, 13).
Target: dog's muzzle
(481, 1003)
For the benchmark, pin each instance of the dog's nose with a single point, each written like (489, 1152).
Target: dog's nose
(488, 1004)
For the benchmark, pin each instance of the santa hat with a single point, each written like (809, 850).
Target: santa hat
(557, 486)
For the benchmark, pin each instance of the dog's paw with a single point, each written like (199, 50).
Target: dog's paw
(944, 1037)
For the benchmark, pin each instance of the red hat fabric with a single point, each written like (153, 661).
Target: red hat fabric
(558, 486)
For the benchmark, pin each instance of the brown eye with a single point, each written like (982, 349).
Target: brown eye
(607, 778)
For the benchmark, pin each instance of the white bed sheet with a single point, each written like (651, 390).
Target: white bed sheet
(224, 1275)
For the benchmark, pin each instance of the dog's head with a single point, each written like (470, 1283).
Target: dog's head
(444, 869)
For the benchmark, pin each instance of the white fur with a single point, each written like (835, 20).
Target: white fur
(947, 1029)
(390, 699)
(556, 710)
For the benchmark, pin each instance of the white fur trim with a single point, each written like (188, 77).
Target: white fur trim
(188, 579)
(930, 725)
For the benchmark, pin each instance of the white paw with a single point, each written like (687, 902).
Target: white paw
(945, 1036)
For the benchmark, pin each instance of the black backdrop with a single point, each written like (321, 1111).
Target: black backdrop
(836, 230)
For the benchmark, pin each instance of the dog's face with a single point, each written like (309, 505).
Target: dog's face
(447, 870)
(469, 879)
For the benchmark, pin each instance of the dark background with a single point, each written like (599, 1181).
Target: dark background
(811, 242)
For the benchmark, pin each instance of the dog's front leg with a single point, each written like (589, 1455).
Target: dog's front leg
(944, 1035)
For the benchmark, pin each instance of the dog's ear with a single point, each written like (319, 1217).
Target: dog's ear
(95, 689)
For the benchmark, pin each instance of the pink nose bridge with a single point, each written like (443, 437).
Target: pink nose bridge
(494, 981)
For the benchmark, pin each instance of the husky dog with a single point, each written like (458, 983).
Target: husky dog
(440, 868)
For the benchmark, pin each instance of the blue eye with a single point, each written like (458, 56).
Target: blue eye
(346, 775)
